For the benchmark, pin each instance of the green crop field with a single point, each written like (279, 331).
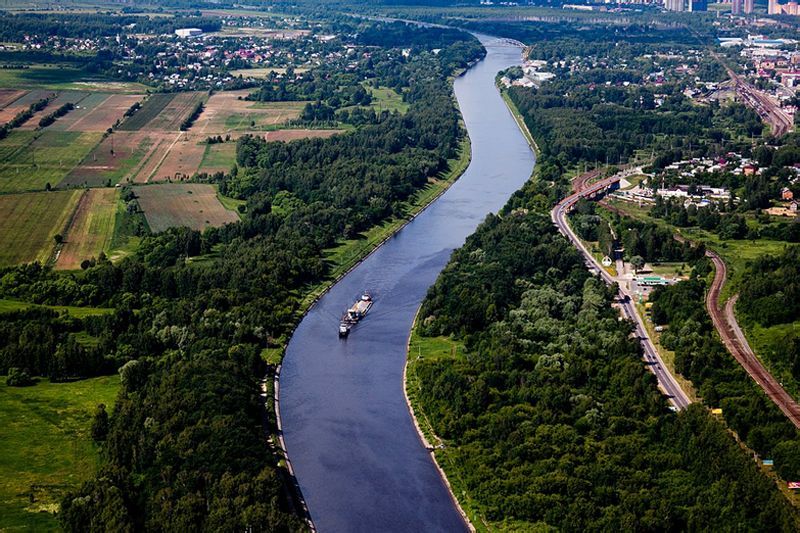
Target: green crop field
(151, 108)
(30, 221)
(217, 157)
(62, 76)
(29, 160)
(45, 447)
(90, 229)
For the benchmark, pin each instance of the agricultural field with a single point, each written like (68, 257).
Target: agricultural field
(46, 448)
(91, 228)
(97, 112)
(151, 108)
(116, 158)
(62, 77)
(29, 223)
(229, 112)
(262, 73)
(31, 160)
(182, 160)
(20, 103)
(192, 205)
(218, 157)
(64, 97)
(175, 112)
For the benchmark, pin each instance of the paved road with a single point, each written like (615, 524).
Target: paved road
(736, 343)
(666, 381)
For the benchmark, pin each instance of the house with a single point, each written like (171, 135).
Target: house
(787, 194)
(749, 170)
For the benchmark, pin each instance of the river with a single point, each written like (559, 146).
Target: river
(356, 454)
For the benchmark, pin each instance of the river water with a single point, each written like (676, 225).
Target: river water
(356, 454)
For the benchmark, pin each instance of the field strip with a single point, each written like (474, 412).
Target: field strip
(63, 224)
(163, 157)
(10, 102)
(136, 175)
(73, 128)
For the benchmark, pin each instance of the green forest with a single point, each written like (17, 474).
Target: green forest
(189, 313)
(549, 417)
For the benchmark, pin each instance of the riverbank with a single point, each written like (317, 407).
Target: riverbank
(425, 429)
(520, 122)
(344, 258)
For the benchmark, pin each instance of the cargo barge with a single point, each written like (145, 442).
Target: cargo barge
(358, 311)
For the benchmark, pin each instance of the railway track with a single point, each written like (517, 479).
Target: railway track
(732, 336)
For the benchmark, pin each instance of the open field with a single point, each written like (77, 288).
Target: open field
(182, 160)
(63, 77)
(174, 113)
(115, 158)
(90, 229)
(262, 73)
(21, 103)
(29, 161)
(385, 99)
(97, 112)
(294, 134)
(218, 157)
(30, 221)
(177, 204)
(45, 447)
(8, 96)
(63, 97)
(161, 144)
(8, 306)
(151, 108)
(227, 112)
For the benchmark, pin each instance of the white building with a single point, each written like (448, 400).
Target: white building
(188, 32)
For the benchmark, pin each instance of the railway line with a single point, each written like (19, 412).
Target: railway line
(724, 320)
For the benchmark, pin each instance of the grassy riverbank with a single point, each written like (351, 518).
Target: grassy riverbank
(520, 122)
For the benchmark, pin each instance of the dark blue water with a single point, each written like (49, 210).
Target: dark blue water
(357, 456)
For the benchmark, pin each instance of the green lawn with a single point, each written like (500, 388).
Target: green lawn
(28, 161)
(45, 447)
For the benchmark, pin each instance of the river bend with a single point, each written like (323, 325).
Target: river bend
(356, 454)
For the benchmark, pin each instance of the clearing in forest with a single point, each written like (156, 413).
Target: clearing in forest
(29, 223)
(46, 449)
(192, 205)
(90, 229)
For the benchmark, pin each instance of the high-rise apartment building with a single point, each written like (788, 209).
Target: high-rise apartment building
(748, 6)
(736, 7)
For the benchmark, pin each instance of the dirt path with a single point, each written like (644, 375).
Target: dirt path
(736, 343)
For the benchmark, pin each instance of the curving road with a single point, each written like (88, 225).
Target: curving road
(666, 381)
(736, 343)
